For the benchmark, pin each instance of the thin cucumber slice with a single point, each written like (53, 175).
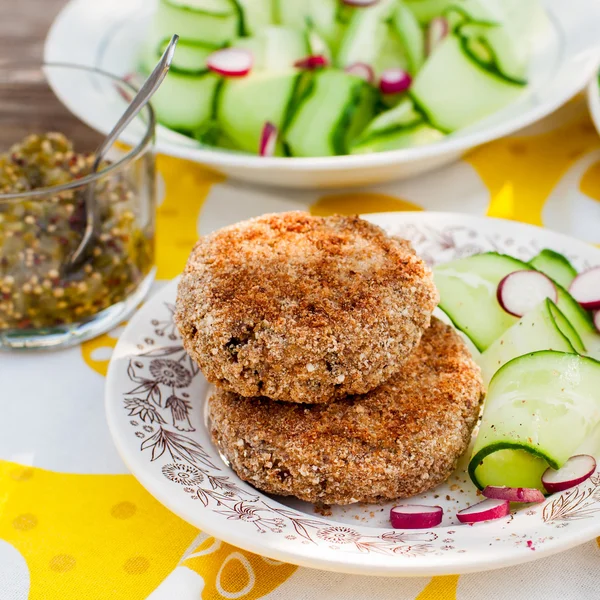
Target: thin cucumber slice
(246, 104)
(425, 10)
(213, 22)
(275, 48)
(539, 409)
(283, 47)
(409, 137)
(336, 108)
(411, 35)
(321, 14)
(454, 91)
(366, 34)
(401, 116)
(555, 265)
(540, 329)
(392, 54)
(510, 42)
(475, 41)
(256, 15)
(468, 296)
(184, 102)
(419, 134)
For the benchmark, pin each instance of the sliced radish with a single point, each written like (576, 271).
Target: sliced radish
(524, 495)
(415, 516)
(231, 62)
(268, 140)
(576, 470)
(394, 81)
(360, 2)
(585, 288)
(362, 70)
(314, 61)
(487, 510)
(437, 30)
(597, 320)
(521, 291)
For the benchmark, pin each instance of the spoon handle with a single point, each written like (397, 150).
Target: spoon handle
(139, 101)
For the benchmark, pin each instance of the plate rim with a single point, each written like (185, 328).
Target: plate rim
(446, 147)
(336, 562)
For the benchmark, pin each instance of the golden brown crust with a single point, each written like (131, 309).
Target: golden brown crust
(301, 308)
(398, 440)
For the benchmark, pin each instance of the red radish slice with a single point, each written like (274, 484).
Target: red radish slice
(268, 140)
(394, 81)
(597, 320)
(314, 61)
(231, 62)
(487, 510)
(362, 70)
(576, 470)
(524, 495)
(585, 288)
(437, 30)
(521, 291)
(415, 516)
(360, 2)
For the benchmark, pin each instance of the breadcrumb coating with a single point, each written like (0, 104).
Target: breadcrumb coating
(301, 308)
(399, 440)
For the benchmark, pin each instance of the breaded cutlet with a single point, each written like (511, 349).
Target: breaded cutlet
(301, 308)
(399, 440)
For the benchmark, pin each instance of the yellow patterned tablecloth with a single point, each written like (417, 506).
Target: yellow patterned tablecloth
(75, 525)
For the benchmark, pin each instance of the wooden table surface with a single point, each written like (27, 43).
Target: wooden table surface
(31, 106)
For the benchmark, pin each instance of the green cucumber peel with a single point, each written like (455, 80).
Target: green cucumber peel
(554, 265)
(542, 405)
(543, 328)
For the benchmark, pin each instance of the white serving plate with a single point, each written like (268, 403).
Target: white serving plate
(108, 35)
(177, 463)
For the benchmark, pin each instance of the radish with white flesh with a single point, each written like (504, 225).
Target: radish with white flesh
(524, 495)
(415, 516)
(436, 31)
(597, 320)
(522, 291)
(268, 140)
(585, 288)
(311, 62)
(394, 81)
(575, 471)
(484, 511)
(360, 3)
(230, 62)
(362, 70)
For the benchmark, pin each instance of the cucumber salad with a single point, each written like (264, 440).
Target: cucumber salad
(333, 77)
(536, 325)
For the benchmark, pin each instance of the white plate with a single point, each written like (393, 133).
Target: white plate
(179, 465)
(593, 98)
(108, 35)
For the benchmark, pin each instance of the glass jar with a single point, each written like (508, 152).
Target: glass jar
(45, 161)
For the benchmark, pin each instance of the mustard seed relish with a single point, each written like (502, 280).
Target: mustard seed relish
(38, 233)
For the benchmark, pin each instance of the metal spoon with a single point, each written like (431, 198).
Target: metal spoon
(139, 101)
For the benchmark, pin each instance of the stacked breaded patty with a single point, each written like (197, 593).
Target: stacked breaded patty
(311, 329)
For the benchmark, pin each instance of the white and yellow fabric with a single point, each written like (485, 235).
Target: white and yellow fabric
(74, 525)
